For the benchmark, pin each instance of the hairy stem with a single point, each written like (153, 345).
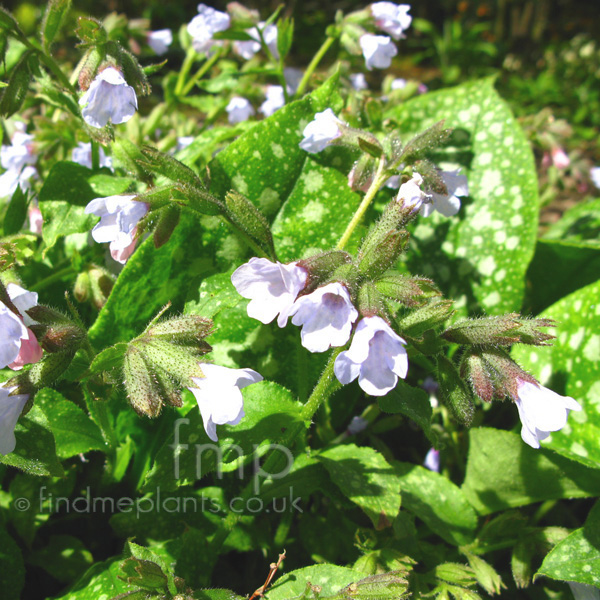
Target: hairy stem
(314, 63)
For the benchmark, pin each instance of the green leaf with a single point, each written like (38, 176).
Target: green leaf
(63, 198)
(216, 594)
(413, 403)
(74, 432)
(16, 213)
(56, 11)
(579, 224)
(330, 578)
(108, 185)
(577, 557)
(146, 554)
(12, 569)
(573, 265)
(482, 253)
(270, 411)
(504, 472)
(13, 95)
(570, 367)
(65, 557)
(438, 502)
(102, 579)
(216, 293)
(35, 452)
(364, 476)
(108, 359)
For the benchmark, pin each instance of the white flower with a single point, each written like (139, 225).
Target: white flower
(11, 408)
(18, 344)
(272, 288)
(448, 204)
(274, 101)
(119, 216)
(595, 176)
(17, 159)
(293, 77)
(204, 25)
(248, 48)
(358, 81)
(219, 397)
(82, 155)
(160, 40)
(326, 316)
(376, 356)
(398, 84)
(108, 98)
(411, 195)
(321, 131)
(541, 411)
(378, 50)
(391, 18)
(239, 109)
(184, 141)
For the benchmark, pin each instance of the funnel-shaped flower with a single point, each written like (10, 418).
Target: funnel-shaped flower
(239, 109)
(541, 411)
(376, 356)
(326, 317)
(160, 40)
(204, 25)
(219, 397)
(448, 204)
(391, 18)
(271, 287)
(321, 131)
(378, 50)
(108, 98)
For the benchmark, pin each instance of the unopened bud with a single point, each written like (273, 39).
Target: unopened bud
(185, 330)
(370, 301)
(58, 338)
(178, 361)
(83, 287)
(362, 173)
(102, 283)
(241, 16)
(168, 219)
(454, 392)
(321, 267)
(42, 373)
(433, 314)
(90, 63)
(375, 259)
(411, 291)
(142, 390)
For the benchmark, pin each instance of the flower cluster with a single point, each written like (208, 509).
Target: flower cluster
(204, 25)
(327, 315)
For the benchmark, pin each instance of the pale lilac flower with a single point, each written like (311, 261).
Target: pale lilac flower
(271, 287)
(119, 216)
(18, 344)
(321, 131)
(293, 77)
(376, 356)
(447, 204)
(219, 397)
(410, 194)
(275, 99)
(358, 81)
(184, 142)
(108, 98)
(204, 25)
(17, 159)
(357, 425)
(391, 18)
(399, 84)
(11, 408)
(432, 460)
(326, 316)
(82, 155)
(541, 411)
(248, 48)
(393, 182)
(239, 109)
(378, 50)
(160, 40)
(595, 176)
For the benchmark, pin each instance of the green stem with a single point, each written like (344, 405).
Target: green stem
(314, 63)
(378, 181)
(57, 276)
(51, 64)
(200, 73)
(326, 385)
(190, 57)
(95, 155)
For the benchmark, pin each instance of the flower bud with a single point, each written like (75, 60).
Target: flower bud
(241, 16)
(376, 258)
(370, 301)
(411, 291)
(322, 266)
(83, 287)
(168, 219)
(42, 373)
(454, 392)
(433, 314)
(177, 361)
(504, 330)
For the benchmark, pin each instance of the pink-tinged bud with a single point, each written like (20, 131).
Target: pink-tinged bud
(559, 158)
(35, 220)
